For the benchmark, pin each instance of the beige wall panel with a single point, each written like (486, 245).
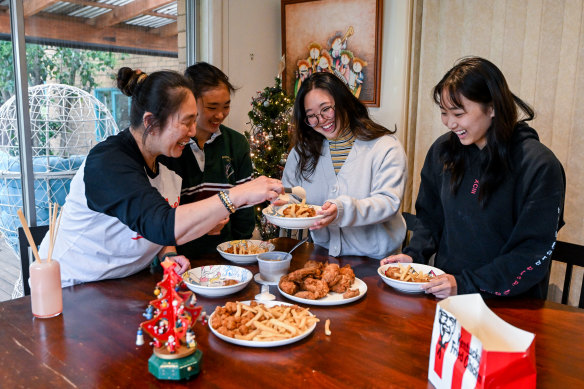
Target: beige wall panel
(530, 50)
(478, 41)
(566, 92)
(497, 31)
(548, 68)
(513, 44)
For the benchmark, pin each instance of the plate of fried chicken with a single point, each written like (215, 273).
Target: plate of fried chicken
(320, 283)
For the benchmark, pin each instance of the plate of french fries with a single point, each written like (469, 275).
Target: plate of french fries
(408, 277)
(262, 324)
(292, 216)
(243, 251)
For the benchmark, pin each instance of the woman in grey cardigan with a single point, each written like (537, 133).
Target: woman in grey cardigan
(351, 165)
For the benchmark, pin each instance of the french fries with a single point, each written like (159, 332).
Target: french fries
(407, 273)
(327, 327)
(244, 247)
(299, 210)
(257, 322)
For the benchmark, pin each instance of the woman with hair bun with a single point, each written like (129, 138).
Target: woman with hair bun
(123, 207)
(491, 195)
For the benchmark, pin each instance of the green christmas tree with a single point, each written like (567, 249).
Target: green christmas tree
(269, 140)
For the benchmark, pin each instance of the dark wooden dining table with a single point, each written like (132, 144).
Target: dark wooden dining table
(380, 340)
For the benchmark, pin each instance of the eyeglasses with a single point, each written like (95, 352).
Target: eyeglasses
(326, 113)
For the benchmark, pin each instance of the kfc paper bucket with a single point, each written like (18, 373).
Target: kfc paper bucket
(474, 348)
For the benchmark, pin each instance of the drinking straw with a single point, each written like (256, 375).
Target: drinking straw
(53, 228)
(28, 235)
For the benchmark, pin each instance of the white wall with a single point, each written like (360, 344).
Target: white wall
(254, 27)
(251, 52)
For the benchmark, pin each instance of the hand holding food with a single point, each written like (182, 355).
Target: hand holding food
(256, 191)
(330, 212)
(442, 286)
(403, 258)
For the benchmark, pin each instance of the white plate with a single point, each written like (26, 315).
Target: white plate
(255, 343)
(242, 258)
(258, 278)
(404, 286)
(275, 216)
(208, 280)
(331, 298)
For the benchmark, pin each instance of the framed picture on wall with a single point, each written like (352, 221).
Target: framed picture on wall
(338, 36)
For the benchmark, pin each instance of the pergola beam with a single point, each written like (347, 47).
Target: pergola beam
(126, 12)
(65, 29)
(32, 7)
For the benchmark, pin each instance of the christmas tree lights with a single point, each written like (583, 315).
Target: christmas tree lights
(269, 139)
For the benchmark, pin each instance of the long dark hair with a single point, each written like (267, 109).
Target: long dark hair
(348, 109)
(479, 80)
(205, 76)
(160, 93)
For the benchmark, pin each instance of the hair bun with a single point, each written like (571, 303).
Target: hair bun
(128, 79)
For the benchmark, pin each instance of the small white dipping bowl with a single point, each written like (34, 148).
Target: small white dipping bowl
(208, 280)
(274, 264)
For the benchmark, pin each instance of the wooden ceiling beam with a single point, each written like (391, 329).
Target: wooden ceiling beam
(33, 7)
(160, 15)
(126, 12)
(64, 29)
(91, 4)
(167, 30)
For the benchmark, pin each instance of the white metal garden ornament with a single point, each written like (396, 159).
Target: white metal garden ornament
(66, 122)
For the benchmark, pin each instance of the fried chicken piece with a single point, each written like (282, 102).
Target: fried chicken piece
(331, 274)
(224, 331)
(344, 283)
(230, 322)
(287, 286)
(351, 293)
(216, 320)
(230, 307)
(304, 294)
(318, 287)
(347, 271)
(312, 263)
(300, 274)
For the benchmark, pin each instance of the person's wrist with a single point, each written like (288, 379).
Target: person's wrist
(226, 200)
(235, 196)
(167, 255)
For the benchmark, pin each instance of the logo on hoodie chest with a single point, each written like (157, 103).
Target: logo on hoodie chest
(475, 187)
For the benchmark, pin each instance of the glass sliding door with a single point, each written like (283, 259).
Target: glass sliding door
(73, 52)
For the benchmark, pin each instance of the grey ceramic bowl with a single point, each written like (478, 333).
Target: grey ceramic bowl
(274, 264)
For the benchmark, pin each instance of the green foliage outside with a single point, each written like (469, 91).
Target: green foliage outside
(63, 65)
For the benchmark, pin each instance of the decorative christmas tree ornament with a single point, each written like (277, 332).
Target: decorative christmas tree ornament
(170, 320)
